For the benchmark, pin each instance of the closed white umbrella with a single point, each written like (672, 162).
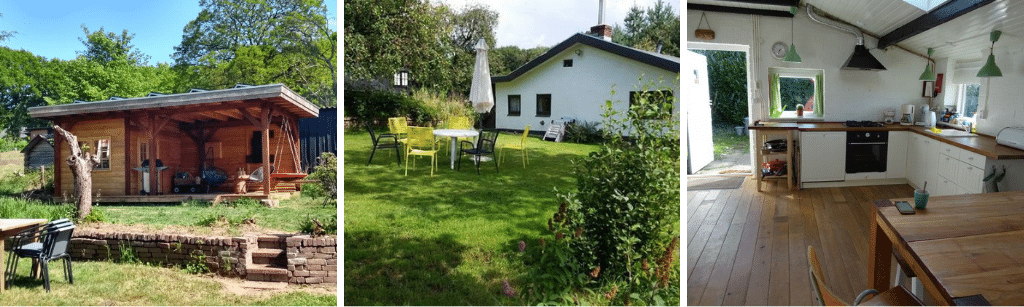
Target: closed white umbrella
(480, 93)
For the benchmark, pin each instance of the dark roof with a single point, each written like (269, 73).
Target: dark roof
(36, 141)
(666, 62)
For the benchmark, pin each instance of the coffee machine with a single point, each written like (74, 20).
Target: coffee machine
(907, 117)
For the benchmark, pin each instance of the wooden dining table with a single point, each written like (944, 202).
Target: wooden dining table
(965, 249)
(9, 228)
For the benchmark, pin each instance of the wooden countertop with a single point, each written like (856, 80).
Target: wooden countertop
(982, 144)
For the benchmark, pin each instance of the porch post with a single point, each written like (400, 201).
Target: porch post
(265, 136)
(151, 134)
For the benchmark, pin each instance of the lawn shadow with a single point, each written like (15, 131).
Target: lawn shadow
(389, 269)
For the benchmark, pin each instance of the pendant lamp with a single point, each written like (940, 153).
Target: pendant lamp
(928, 74)
(791, 56)
(990, 69)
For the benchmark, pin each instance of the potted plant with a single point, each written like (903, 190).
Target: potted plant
(799, 110)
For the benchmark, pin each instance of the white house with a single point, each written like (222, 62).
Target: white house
(574, 79)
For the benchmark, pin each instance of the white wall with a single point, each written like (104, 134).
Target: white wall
(849, 94)
(578, 91)
(1003, 97)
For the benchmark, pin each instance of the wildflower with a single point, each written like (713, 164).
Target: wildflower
(665, 263)
(551, 225)
(579, 231)
(522, 246)
(595, 272)
(541, 242)
(506, 288)
(561, 209)
(558, 236)
(646, 266)
(611, 294)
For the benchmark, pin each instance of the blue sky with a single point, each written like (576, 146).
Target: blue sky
(52, 28)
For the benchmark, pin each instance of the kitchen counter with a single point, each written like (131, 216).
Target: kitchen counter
(982, 144)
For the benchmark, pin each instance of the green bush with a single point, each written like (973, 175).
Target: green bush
(375, 105)
(583, 132)
(326, 176)
(330, 224)
(7, 144)
(18, 183)
(95, 215)
(443, 108)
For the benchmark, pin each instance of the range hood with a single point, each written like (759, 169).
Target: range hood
(861, 59)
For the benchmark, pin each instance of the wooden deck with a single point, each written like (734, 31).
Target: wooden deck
(176, 198)
(750, 248)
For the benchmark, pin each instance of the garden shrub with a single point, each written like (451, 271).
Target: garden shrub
(583, 132)
(94, 216)
(326, 176)
(330, 224)
(618, 226)
(443, 108)
(19, 183)
(377, 105)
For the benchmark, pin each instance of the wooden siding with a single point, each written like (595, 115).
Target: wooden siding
(234, 142)
(107, 182)
(39, 155)
(176, 151)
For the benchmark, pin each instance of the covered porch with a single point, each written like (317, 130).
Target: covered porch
(204, 144)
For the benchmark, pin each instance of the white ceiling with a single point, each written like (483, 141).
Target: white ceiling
(963, 38)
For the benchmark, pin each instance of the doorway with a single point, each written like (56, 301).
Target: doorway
(728, 81)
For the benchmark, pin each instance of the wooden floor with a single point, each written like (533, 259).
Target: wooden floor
(750, 248)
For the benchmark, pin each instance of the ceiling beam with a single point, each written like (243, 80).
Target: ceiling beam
(770, 2)
(939, 15)
(738, 10)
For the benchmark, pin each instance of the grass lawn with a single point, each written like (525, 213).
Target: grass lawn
(726, 141)
(449, 239)
(287, 217)
(106, 283)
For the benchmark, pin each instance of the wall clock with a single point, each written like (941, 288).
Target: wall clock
(779, 50)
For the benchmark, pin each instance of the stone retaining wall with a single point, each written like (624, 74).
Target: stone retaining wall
(310, 260)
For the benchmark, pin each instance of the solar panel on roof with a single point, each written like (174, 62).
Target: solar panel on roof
(196, 90)
(151, 94)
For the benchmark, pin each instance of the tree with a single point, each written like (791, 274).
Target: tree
(469, 25)
(293, 39)
(727, 78)
(107, 47)
(647, 29)
(4, 35)
(505, 60)
(81, 162)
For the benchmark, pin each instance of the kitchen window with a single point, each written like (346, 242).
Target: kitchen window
(544, 105)
(662, 101)
(514, 105)
(789, 87)
(967, 99)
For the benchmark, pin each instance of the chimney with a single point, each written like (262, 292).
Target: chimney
(601, 30)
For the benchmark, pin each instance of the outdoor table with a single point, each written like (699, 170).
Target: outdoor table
(965, 249)
(455, 134)
(9, 228)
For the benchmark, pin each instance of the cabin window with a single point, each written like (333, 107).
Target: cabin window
(967, 99)
(103, 151)
(662, 102)
(514, 105)
(544, 105)
(567, 63)
(789, 87)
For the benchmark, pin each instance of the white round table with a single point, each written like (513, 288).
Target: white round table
(454, 135)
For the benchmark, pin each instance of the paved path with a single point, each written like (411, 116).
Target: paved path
(737, 161)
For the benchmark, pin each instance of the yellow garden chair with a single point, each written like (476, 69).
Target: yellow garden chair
(421, 143)
(520, 145)
(460, 122)
(399, 127)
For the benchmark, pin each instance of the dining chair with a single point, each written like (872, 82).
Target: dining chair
(53, 244)
(916, 288)
(520, 145)
(421, 143)
(484, 147)
(399, 127)
(380, 142)
(895, 296)
(459, 122)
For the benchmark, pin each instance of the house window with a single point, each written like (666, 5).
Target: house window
(791, 87)
(544, 105)
(402, 78)
(514, 104)
(967, 99)
(103, 151)
(567, 63)
(661, 101)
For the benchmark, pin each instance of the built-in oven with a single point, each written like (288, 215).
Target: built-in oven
(866, 151)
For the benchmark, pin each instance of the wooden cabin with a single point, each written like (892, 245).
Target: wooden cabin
(236, 129)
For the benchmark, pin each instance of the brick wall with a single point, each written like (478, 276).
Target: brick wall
(310, 260)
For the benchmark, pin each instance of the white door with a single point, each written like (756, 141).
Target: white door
(699, 146)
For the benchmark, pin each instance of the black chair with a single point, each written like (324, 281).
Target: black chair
(54, 240)
(27, 238)
(484, 147)
(378, 144)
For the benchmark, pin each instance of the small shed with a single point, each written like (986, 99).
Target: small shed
(237, 129)
(39, 151)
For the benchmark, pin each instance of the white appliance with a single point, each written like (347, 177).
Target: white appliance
(921, 116)
(907, 117)
(1011, 136)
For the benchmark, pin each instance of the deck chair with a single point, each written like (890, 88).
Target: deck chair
(896, 296)
(54, 240)
(383, 141)
(520, 145)
(484, 147)
(421, 143)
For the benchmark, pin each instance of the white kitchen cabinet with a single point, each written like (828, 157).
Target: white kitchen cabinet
(822, 156)
(969, 177)
(896, 161)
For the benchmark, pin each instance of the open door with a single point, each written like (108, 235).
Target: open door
(699, 145)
